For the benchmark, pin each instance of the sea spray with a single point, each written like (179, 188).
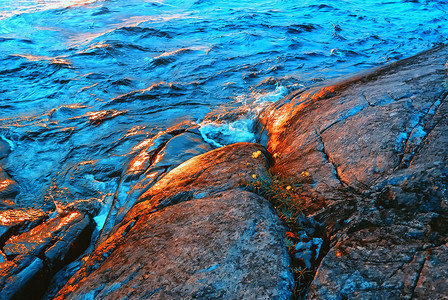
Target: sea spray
(221, 134)
(261, 99)
(242, 129)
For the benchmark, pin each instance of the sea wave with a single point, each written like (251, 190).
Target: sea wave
(89, 80)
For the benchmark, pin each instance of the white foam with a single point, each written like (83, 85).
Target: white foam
(277, 94)
(242, 130)
(221, 134)
(10, 143)
(100, 219)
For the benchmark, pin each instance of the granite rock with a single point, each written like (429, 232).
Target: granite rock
(195, 234)
(375, 146)
(227, 246)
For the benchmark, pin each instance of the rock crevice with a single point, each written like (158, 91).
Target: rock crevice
(382, 140)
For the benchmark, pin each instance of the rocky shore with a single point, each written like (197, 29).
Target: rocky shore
(184, 223)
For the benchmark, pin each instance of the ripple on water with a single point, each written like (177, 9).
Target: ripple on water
(85, 80)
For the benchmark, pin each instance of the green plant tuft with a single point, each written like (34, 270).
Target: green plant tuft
(282, 192)
(285, 194)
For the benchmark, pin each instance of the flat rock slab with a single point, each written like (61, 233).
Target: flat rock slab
(229, 246)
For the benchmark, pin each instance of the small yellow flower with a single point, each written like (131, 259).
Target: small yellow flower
(256, 154)
(254, 176)
(276, 155)
(290, 234)
(305, 174)
(288, 187)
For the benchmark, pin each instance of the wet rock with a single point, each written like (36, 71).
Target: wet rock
(17, 277)
(193, 234)
(5, 148)
(9, 189)
(60, 159)
(87, 181)
(32, 257)
(88, 207)
(157, 156)
(15, 222)
(375, 146)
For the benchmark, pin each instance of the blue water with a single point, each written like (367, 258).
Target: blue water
(82, 82)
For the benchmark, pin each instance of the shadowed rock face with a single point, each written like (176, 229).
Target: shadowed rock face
(5, 149)
(194, 233)
(31, 254)
(376, 148)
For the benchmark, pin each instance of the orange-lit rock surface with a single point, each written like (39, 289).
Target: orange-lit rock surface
(8, 190)
(155, 158)
(32, 254)
(195, 234)
(376, 148)
(14, 222)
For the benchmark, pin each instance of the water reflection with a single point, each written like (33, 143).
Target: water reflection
(51, 60)
(12, 7)
(94, 81)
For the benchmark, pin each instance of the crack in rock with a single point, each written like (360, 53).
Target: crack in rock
(367, 100)
(418, 134)
(328, 158)
(419, 273)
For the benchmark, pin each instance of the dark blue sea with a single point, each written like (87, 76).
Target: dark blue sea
(83, 82)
